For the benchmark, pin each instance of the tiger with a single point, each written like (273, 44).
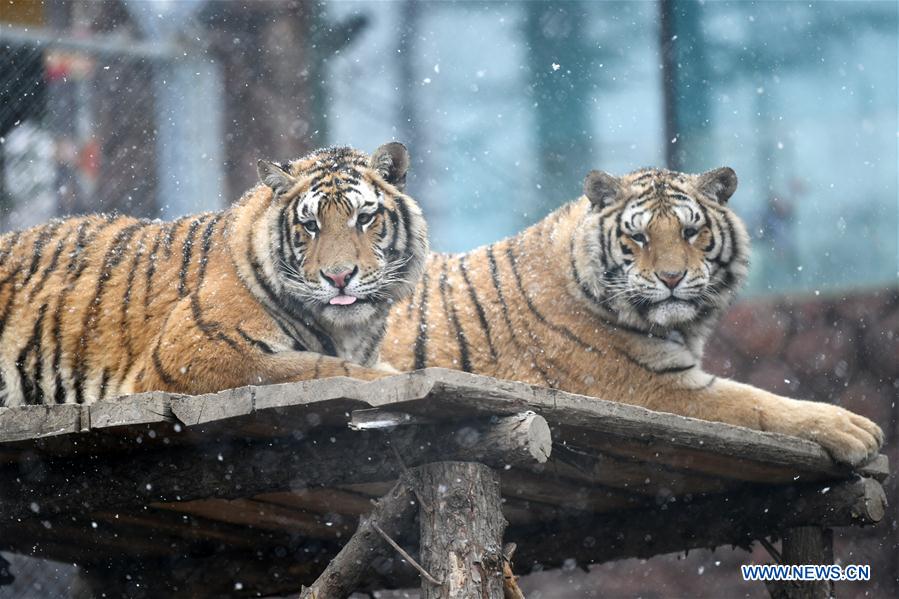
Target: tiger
(292, 282)
(612, 296)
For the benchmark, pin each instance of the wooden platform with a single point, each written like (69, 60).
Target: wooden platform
(251, 491)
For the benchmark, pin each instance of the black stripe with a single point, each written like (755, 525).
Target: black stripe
(54, 262)
(421, 341)
(186, 252)
(582, 285)
(152, 259)
(261, 345)
(37, 248)
(104, 383)
(39, 355)
(394, 218)
(644, 366)
(14, 290)
(276, 304)
(171, 230)
(75, 258)
(212, 330)
(482, 316)
(114, 256)
(406, 223)
(561, 330)
(375, 342)
(160, 371)
(494, 275)
(450, 313)
(124, 329)
(11, 240)
(205, 248)
(31, 386)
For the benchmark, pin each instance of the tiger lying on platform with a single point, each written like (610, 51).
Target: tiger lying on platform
(293, 282)
(612, 296)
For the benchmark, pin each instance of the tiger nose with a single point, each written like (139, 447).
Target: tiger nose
(671, 279)
(341, 277)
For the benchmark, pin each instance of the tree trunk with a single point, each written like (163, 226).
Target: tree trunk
(461, 530)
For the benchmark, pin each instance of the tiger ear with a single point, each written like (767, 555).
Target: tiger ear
(392, 162)
(276, 176)
(601, 188)
(720, 183)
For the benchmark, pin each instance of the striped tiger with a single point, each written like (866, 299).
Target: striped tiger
(292, 282)
(612, 296)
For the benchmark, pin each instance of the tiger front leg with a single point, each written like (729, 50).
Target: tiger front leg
(285, 367)
(848, 437)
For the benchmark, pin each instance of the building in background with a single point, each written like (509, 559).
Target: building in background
(162, 108)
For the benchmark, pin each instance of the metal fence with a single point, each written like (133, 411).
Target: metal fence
(106, 124)
(101, 124)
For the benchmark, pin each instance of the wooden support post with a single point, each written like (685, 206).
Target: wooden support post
(461, 530)
(521, 439)
(392, 514)
(805, 545)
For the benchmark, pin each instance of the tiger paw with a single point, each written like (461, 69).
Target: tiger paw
(849, 438)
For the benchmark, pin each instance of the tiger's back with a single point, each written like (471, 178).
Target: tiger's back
(612, 296)
(83, 298)
(100, 306)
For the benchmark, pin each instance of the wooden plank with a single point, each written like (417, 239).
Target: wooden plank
(204, 409)
(622, 421)
(261, 515)
(107, 539)
(144, 408)
(652, 479)
(731, 519)
(37, 422)
(224, 471)
(446, 394)
(192, 527)
(568, 494)
(322, 501)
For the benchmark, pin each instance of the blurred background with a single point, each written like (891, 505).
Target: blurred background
(160, 108)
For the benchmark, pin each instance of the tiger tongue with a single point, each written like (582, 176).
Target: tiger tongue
(342, 300)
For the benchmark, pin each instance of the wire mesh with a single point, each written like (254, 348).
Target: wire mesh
(77, 134)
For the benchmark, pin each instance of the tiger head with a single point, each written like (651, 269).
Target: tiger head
(661, 249)
(349, 241)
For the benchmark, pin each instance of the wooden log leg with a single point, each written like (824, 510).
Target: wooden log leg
(461, 530)
(805, 545)
(393, 512)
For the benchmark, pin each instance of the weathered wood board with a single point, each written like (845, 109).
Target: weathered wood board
(275, 473)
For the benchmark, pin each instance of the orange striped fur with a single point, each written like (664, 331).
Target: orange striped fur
(100, 306)
(578, 302)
